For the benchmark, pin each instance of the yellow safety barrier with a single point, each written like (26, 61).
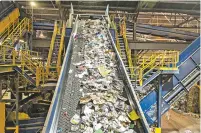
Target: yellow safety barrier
(9, 20)
(51, 48)
(61, 47)
(18, 31)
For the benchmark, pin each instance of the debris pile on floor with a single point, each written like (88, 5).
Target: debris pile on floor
(104, 109)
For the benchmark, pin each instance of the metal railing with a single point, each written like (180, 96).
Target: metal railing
(167, 60)
(113, 25)
(25, 59)
(17, 31)
(61, 48)
(162, 60)
(51, 48)
(32, 65)
(128, 50)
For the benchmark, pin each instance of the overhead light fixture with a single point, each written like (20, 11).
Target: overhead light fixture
(32, 3)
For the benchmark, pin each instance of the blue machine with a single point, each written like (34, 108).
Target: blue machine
(177, 86)
(43, 26)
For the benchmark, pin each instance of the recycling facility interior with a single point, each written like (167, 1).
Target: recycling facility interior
(100, 66)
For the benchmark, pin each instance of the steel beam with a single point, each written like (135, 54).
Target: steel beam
(157, 45)
(159, 101)
(184, 22)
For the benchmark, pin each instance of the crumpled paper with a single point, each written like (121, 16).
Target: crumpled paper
(75, 119)
(103, 71)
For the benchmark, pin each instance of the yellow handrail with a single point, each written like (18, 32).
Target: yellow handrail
(51, 48)
(165, 60)
(17, 32)
(26, 58)
(128, 51)
(61, 48)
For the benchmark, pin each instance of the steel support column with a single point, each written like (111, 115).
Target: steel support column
(159, 100)
(157, 45)
(16, 81)
(134, 31)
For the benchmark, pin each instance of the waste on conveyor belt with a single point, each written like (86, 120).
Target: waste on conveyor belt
(104, 109)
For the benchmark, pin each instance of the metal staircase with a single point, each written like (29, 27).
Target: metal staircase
(55, 51)
(149, 65)
(32, 125)
(31, 69)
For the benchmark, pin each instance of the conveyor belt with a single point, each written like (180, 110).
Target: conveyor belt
(72, 87)
(178, 85)
(67, 94)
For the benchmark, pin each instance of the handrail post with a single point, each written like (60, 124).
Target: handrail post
(37, 76)
(14, 55)
(20, 30)
(140, 77)
(4, 56)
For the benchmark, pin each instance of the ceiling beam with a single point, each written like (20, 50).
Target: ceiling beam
(158, 45)
(186, 21)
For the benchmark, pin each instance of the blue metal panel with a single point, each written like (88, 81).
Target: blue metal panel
(175, 92)
(149, 100)
(196, 57)
(185, 69)
(68, 32)
(43, 24)
(189, 50)
(43, 28)
(112, 31)
(150, 109)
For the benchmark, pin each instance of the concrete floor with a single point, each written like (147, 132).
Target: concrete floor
(180, 123)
